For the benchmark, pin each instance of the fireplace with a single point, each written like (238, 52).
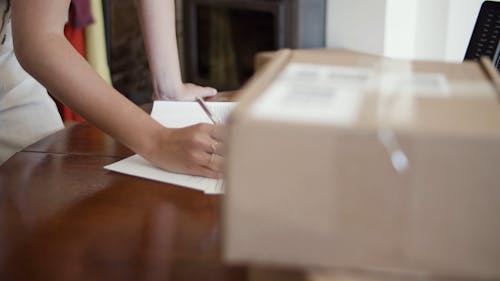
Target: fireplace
(221, 37)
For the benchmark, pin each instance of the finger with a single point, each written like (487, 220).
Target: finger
(208, 173)
(212, 142)
(208, 92)
(223, 96)
(214, 162)
(214, 147)
(219, 148)
(218, 132)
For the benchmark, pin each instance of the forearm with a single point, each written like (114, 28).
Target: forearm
(158, 26)
(68, 77)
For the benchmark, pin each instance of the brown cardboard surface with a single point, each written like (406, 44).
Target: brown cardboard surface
(323, 195)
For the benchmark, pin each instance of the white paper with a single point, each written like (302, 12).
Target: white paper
(174, 114)
(177, 115)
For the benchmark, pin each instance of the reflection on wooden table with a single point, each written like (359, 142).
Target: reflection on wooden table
(63, 217)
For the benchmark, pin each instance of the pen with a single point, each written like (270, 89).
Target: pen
(205, 108)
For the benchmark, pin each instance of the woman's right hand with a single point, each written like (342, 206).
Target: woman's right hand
(195, 150)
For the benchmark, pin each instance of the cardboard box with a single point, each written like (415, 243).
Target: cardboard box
(337, 159)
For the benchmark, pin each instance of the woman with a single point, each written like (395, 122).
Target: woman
(69, 78)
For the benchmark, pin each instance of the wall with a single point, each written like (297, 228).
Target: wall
(356, 24)
(400, 18)
(415, 29)
(431, 29)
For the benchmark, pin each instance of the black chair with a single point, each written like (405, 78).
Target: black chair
(486, 35)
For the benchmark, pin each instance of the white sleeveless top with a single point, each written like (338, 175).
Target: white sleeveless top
(27, 112)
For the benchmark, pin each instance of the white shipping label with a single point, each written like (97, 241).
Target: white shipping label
(314, 94)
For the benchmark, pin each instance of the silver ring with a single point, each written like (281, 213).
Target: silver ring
(214, 147)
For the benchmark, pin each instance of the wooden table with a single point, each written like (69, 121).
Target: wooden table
(64, 217)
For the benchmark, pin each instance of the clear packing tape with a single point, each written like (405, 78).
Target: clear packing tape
(398, 157)
(393, 82)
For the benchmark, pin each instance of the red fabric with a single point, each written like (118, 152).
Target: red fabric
(77, 38)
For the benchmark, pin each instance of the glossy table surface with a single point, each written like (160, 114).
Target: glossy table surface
(64, 217)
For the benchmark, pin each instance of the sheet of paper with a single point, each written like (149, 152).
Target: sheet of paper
(177, 115)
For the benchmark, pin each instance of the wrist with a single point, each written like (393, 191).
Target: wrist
(153, 139)
(167, 90)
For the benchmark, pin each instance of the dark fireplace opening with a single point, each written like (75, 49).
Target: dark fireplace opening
(221, 37)
(227, 39)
